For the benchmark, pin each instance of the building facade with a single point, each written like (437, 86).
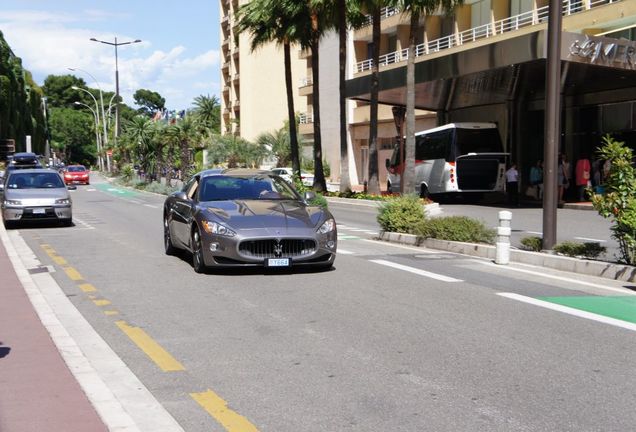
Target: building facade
(487, 63)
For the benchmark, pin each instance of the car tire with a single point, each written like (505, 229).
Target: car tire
(197, 252)
(8, 224)
(167, 238)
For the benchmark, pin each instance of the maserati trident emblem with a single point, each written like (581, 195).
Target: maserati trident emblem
(278, 249)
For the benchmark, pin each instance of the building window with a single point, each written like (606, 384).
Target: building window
(480, 13)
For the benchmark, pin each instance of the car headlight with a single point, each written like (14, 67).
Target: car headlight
(63, 201)
(328, 226)
(12, 202)
(218, 229)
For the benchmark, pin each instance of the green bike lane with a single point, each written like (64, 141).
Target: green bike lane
(618, 307)
(116, 191)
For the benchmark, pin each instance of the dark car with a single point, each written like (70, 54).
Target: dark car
(247, 218)
(25, 160)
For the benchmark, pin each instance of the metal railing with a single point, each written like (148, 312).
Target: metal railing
(385, 12)
(525, 19)
(305, 118)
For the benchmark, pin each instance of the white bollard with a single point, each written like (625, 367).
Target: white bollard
(503, 238)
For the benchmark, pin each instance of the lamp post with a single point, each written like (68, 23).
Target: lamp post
(96, 112)
(116, 44)
(96, 117)
(101, 98)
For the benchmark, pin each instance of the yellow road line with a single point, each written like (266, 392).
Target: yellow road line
(101, 302)
(157, 354)
(58, 260)
(217, 408)
(73, 274)
(111, 312)
(87, 287)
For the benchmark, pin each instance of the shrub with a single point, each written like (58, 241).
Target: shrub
(532, 243)
(158, 188)
(456, 228)
(618, 203)
(401, 214)
(588, 250)
(127, 173)
(319, 200)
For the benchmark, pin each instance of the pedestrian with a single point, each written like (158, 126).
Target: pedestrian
(536, 179)
(582, 176)
(512, 185)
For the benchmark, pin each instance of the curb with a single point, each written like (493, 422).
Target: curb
(574, 265)
(432, 209)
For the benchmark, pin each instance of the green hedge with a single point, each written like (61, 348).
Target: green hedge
(456, 228)
(401, 214)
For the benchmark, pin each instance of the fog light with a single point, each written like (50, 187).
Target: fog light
(214, 247)
(331, 244)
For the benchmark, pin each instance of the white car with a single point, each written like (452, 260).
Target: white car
(288, 174)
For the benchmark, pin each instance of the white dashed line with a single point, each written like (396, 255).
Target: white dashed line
(590, 239)
(417, 271)
(344, 252)
(151, 206)
(76, 220)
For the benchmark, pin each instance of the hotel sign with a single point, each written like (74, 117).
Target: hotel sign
(603, 52)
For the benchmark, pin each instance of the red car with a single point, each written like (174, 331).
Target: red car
(74, 174)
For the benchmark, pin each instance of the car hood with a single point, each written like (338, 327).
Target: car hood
(36, 196)
(254, 214)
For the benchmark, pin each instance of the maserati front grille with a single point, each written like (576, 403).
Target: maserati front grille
(272, 248)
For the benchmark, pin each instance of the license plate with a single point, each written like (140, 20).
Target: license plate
(39, 211)
(278, 262)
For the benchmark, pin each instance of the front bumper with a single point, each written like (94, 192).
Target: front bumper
(221, 251)
(28, 213)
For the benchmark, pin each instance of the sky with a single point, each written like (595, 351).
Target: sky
(177, 58)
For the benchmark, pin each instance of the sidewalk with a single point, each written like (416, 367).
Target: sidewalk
(37, 390)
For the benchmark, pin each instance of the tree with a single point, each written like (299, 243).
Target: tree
(278, 144)
(207, 111)
(149, 102)
(235, 151)
(416, 9)
(139, 138)
(73, 134)
(60, 93)
(375, 7)
(277, 21)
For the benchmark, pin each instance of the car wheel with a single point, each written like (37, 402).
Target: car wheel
(8, 224)
(68, 222)
(167, 239)
(197, 252)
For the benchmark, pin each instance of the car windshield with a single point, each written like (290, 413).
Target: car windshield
(76, 169)
(265, 187)
(34, 181)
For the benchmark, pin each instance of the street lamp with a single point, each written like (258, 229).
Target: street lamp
(96, 112)
(116, 44)
(101, 98)
(96, 116)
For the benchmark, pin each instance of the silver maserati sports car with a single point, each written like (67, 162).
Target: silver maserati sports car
(247, 218)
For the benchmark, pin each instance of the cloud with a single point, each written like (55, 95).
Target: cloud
(48, 43)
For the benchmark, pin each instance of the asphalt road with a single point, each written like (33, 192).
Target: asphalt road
(393, 339)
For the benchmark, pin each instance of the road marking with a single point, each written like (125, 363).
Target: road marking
(347, 237)
(417, 271)
(217, 408)
(151, 206)
(86, 224)
(344, 252)
(561, 278)
(133, 201)
(101, 302)
(157, 354)
(534, 232)
(570, 311)
(73, 274)
(590, 239)
(397, 245)
(111, 312)
(87, 287)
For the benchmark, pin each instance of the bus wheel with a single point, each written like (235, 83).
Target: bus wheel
(424, 192)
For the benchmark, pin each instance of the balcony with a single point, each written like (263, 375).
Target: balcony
(530, 18)
(385, 12)
(237, 105)
(305, 118)
(235, 77)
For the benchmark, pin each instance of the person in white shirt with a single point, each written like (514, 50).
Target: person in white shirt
(512, 185)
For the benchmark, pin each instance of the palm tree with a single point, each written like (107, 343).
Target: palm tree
(139, 134)
(373, 185)
(185, 133)
(207, 110)
(274, 21)
(347, 14)
(416, 9)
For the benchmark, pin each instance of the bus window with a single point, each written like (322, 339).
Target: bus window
(478, 141)
(433, 146)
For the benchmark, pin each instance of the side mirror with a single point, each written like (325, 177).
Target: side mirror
(181, 195)
(387, 163)
(309, 195)
(71, 187)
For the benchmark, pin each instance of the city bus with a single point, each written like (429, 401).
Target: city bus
(454, 158)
